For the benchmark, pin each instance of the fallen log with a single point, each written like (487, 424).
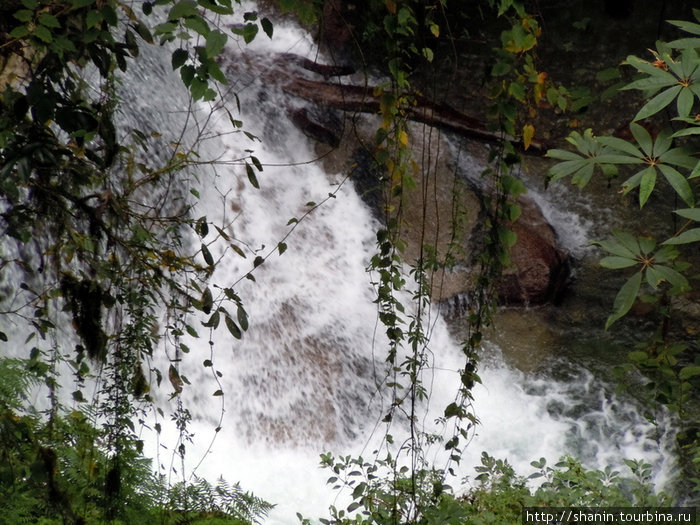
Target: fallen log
(362, 99)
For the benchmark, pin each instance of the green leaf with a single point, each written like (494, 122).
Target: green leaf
(453, 410)
(233, 328)
(179, 58)
(696, 171)
(43, 34)
(658, 103)
(48, 20)
(213, 321)
(251, 176)
(625, 299)
(684, 104)
(678, 282)
(646, 244)
(24, 15)
(501, 68)
(216, 73)
(19, 32)
(582, 176)
(628, 240)
(620, 145)
(216, 40)
(517, 90)
(662, 143)
(653, 277)
(687, 131)
(678, 157)
(93, 19)
(632, 182)
(242, 318)
(689, 213)
(267, 27)
(683, 43)
(218, 393)
(615, 262)
(646, 185)
(198, 25)
(183, 9)
(689, 371)
(688, 236)
(248, 32)
(607, 75)
(566, 168)
(256, 163)
(679, 183)
(207, 255)
(562, 154)
(143, 31)
(689, 27)
(643, 138)
(207, 301)
(617, 249)
(666, 254)
(281, 247)
(187, 74)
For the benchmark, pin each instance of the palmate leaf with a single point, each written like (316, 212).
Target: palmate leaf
(625, 299)
(580, 166)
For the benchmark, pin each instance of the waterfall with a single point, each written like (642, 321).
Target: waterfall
(304, 378)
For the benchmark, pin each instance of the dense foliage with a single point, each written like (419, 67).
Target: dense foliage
(98, 233)
(663, 163)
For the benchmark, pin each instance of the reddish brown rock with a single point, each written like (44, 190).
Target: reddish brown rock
(540, 267)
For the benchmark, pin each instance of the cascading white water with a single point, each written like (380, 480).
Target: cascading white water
(304, 377)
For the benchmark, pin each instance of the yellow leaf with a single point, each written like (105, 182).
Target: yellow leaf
(391, 6)
(403, 138)
(528, 133)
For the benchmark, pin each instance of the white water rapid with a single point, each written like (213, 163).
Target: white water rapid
(303, 379)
